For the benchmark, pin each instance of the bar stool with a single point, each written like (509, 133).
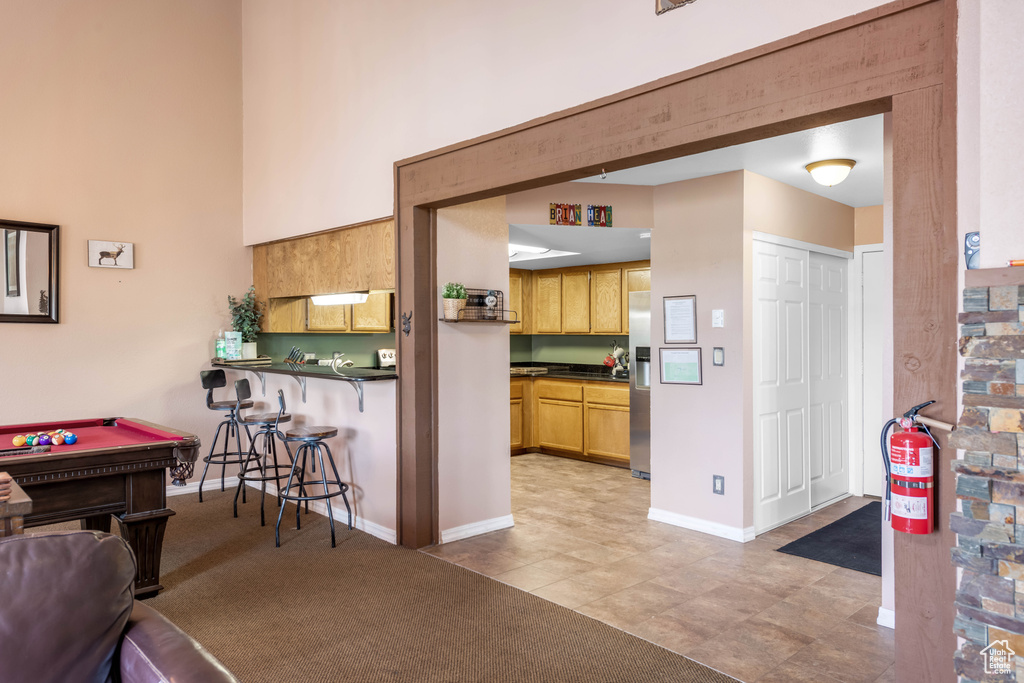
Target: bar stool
(257, 464)
(214, 379)
(312, 443)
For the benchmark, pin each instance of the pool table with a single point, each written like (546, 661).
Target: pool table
(115, 468)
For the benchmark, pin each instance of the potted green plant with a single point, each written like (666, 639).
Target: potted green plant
(245, 319)
(454, 294)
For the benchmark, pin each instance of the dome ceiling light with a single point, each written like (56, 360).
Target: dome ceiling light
(830, 171)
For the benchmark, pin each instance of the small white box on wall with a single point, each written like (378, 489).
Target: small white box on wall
(104, 254)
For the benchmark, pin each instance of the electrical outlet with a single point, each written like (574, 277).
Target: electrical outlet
(719, 484)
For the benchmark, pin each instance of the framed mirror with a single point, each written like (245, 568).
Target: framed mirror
(31, 259)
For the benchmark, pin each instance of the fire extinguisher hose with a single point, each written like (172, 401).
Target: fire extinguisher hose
(888, 467)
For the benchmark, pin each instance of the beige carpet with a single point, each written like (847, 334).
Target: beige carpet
(370, 611)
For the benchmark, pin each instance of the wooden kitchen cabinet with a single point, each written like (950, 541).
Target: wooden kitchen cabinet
(576, 302)
(374, 315)
(606, 301)
(547, 294)
(520, 288)
(285, 315)
(345, 260)
(327, 318)
(559, 414)
(606, 420)
(633, 280)
(583, 419)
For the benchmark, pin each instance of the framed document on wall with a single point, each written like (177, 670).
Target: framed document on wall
(680, 366)
(681, 319)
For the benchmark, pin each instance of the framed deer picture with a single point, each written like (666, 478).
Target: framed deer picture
(111, 254)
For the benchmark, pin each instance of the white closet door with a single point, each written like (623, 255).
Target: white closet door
(781, 387)
(829, 378)
(873, 279)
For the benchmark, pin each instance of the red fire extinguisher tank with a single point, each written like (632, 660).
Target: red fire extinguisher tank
(912, 481)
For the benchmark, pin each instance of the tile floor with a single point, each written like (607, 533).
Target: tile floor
(582, 539)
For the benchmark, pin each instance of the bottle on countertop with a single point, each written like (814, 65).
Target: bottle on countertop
(220, 350)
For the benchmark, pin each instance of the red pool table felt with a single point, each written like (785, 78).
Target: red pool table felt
(99, 433)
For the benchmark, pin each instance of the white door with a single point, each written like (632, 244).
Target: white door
(781, 387)
(873, 276)
(829, 450)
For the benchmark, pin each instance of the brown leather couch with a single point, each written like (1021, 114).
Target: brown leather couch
(67, 614)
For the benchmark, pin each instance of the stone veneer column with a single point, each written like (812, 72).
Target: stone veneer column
(990, 477)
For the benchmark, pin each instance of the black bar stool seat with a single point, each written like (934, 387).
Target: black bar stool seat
(258, 464)
(215, 379)
(311, 443)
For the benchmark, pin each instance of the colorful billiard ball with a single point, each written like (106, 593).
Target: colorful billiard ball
(19, 440)
(44, 439)
(58, 440)
(70, 438)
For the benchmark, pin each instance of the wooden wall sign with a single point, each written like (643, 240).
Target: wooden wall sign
(599, 215)
(565, 214)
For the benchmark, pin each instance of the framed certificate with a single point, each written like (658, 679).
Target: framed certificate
(680, 366)
(681, 319)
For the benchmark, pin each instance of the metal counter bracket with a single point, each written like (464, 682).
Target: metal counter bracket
(358, 386)
(262, 377)
(301, 379)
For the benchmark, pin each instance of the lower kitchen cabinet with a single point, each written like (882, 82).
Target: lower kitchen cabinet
(584, 419)
(606, 416)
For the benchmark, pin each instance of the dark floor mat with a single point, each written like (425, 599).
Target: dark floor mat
(854, 542)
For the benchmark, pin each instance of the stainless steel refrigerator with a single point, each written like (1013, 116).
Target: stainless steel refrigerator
(640, 384)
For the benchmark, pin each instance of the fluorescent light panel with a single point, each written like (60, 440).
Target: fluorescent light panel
(339, 299)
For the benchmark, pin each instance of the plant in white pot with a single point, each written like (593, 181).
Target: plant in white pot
(245, 319)
(455, 296)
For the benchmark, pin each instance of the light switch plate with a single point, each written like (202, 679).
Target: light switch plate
(718, 318)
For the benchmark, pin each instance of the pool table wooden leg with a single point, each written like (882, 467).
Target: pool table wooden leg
(144, 532)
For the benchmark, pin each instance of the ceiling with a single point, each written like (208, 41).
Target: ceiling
(781, 158)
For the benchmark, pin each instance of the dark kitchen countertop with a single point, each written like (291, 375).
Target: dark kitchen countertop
(596, 373)
(319, 371)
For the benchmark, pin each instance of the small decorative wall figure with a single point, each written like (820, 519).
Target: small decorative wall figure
(111, 254)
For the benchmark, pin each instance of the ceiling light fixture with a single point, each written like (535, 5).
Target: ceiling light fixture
(512, 248)
(339, 299)
(830, 171)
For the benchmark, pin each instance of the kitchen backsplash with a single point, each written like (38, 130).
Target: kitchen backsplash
(361, 349)
(563, 348)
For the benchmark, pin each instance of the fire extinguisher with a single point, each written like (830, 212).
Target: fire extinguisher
(909, 471)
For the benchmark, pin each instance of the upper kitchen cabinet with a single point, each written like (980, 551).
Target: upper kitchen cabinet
(374, 315)
(576, 302)
(606, 301)
(520, 288)
(578, 299)
(636, 279)
(325, 318)
(346, 260)
(547, 296)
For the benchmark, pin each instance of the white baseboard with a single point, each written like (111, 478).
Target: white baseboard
(476, 528)
(733, 533)
(230, 483)
(886, 618)
(318, 506)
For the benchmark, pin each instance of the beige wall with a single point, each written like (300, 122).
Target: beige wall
(697, 247)
(632, 205)
(336, 92)
(868, 225)
(783, 210)
(473, 468)
(121, 120)
(990, 98)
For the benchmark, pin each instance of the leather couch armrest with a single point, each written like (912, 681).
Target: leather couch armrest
(153, 650)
